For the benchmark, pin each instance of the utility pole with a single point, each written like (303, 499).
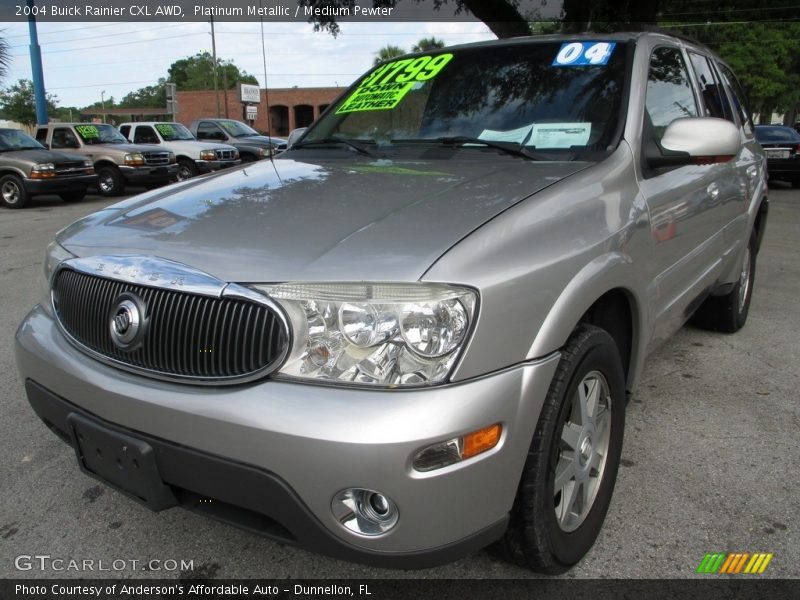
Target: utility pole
(103, 104)
(36, 69)
(214, 56)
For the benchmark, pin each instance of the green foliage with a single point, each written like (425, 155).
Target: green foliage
(18, 103)
(154, 96)
(427, 44)
(387, 53)
(197, 73)
(4, 58)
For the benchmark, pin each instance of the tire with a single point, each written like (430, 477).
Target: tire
(110, 181)
(12, 192)
(73, 196)
(543, 534)
(728, 313)
(186, 169)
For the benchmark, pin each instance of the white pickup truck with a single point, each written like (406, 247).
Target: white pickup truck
(194, 157)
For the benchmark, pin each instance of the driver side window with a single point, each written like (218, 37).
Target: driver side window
(64, 138)
(669, 91)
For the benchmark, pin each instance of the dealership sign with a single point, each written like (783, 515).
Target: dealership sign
(249, 93)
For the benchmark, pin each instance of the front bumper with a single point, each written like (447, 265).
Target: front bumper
(207, 166)
(149, 174)
(55, 185)
(283, 450)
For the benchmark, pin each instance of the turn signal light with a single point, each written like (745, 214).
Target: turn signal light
(452, 451)
(481, 440)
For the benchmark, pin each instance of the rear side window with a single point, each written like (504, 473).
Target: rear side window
(41, 136)
(125, 130)
(209, 131)
(739, 99)
(669, 90)
(64, 138)
(711, 90)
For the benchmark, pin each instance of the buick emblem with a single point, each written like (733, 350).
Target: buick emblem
(126, 322)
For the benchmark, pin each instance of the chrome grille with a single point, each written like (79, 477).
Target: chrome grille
(153, 159)
(188, 335)
(68, 169)
(226, 154)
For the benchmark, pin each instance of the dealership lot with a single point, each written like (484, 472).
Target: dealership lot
(710, 459)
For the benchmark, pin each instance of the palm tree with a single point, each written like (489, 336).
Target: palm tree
(387, 53)
(428, 44)
(5, 59)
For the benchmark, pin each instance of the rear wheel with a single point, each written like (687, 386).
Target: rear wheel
(110, 181)
(572, 464)
(728, 313)
(73, 196)
(12, 192)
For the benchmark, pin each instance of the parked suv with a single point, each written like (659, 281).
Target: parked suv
(252, 145)
(27, 168)
(118, 163)
(193, 157)
(413, 334)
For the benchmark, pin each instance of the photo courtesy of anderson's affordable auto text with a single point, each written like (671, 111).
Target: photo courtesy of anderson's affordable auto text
(387, 299)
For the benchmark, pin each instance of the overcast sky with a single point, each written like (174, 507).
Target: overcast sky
(82, 60)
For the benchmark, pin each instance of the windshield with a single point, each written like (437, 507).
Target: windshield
(100, 134)
(555, 97)
(238, 129)
(14, 139)
(171, 132)
(776, 134)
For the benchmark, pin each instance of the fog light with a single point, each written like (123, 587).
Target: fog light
(449, 452)
(366, 512)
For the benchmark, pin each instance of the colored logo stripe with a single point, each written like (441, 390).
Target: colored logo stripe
(734, 563)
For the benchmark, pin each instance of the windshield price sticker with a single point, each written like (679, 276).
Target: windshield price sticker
(387, 85)
(87, 131)
(165, 130)
(574, 54)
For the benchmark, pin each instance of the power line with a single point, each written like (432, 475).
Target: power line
(95, 37)
(114, 45)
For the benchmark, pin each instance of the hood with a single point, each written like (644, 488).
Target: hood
(126, 148)
(42, 156)
(260, 141)
(194, 146)
(326, 220)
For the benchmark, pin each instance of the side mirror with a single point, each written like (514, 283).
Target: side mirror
(295, 135)
(698, 140)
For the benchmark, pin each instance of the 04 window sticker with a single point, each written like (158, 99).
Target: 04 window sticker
(387, 85)
(574, 54)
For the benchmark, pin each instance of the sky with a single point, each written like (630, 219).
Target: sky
(81, 61)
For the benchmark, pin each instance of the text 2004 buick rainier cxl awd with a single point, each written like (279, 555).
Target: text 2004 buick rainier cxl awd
(413, 333)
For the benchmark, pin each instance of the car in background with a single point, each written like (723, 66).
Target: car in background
(28, 169)
(782, 147)
(194, 157)
(252, 145)
(118, 163)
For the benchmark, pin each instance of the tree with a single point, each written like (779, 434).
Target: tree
(4, 58)
(197, 73)
(427, 44)
(388, 52)
(17, 102)
(151, 96)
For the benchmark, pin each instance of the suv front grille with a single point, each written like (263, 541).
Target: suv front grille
(187, 336)
(155, 159)
(226, 154)
(67, 169)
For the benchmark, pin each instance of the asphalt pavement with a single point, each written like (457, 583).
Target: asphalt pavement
(710, 460)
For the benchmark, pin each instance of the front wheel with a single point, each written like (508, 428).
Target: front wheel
(110, 182)
(572, 463)
(12, 192)
(186, 169)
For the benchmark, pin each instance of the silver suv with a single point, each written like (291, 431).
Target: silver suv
(414, 333)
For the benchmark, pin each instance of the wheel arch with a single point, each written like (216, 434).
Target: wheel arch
(601, 294)
(8, 170)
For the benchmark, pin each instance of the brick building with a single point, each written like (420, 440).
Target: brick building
(289, 108)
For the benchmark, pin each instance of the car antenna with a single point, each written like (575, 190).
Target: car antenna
(266, 91)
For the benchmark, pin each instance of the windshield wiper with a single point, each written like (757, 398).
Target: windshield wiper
(512, 148)
(333, 140)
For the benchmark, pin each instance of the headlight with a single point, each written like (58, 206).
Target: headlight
(43, 171)
(265, 152)
(134, 159)
(172, 158)
(54, 255)
(389, 335)
(208, 155)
